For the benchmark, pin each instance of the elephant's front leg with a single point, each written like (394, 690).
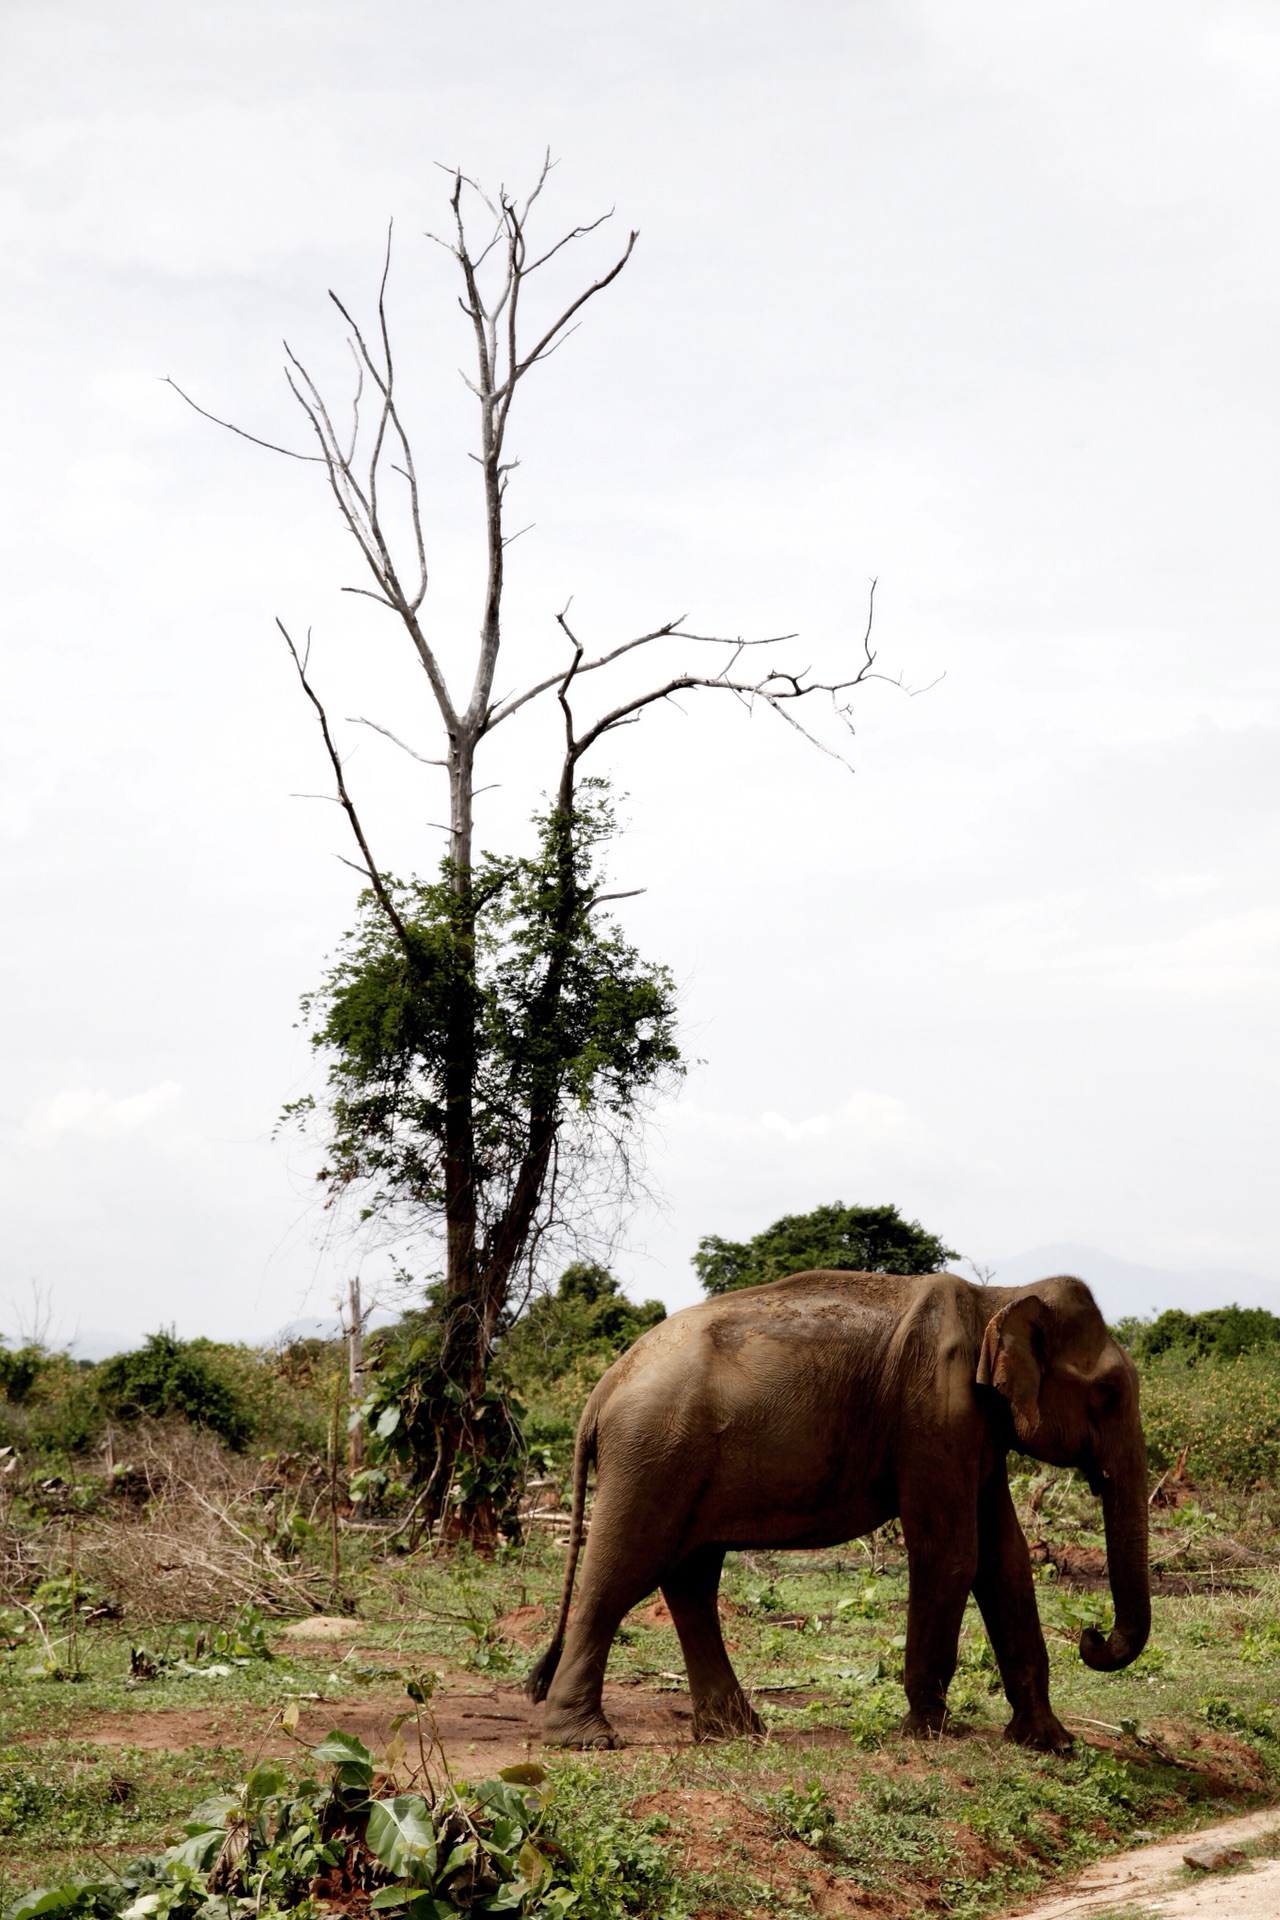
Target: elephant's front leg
(721, 1710)
(1005, 1591)
(941, 1533)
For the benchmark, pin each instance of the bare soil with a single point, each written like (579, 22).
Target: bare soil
(711, 1827)
(480, 1728)
(1084, 1570)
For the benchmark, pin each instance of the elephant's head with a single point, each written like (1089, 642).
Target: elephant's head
(1073, 1397)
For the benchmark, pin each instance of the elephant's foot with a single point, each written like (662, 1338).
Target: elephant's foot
(1040, 1728)
(565, 1728)
(927, 1723)
(730, 1717)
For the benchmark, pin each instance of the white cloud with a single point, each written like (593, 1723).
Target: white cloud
(93, 1113)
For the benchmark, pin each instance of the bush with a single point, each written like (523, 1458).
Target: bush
(581, 1328)
(19, 1371)
(1226, 1412)
(1220, 1333)
(555, 1354)
(168, 1376)
(49, 1405)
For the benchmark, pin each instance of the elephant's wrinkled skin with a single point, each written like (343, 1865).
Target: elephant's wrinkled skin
(809, 1411)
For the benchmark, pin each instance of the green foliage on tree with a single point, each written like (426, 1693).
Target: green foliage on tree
(1219, 1333)
(488, 1048)
(560, 1018)
(850, 1239)
(409, 1409)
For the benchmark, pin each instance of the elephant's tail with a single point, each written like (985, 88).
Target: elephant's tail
(542, 1672)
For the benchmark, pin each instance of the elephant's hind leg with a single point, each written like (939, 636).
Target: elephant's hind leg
(575, 1715)
(721, 1710)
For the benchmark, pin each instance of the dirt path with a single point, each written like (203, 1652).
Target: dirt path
(1151, 1881)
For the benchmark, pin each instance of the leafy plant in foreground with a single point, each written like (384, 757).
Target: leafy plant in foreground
(272, 1847)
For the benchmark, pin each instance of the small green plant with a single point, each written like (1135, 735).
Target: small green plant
(208, 1653)
(866, 1602)
(1260, 1645)
(1224, 1713)
(806, 1816)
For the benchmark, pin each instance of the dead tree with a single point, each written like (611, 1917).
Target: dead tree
(371, 463)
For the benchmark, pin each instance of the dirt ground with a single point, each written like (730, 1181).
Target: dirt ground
(480, 1728)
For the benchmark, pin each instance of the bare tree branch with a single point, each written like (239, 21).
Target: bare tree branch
(670, 630)
(271, 446)
(369, 869)
(358, 720)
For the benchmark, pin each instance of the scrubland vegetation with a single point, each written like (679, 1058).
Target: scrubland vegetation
(169, 1746)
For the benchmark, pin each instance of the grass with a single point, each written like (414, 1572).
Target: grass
(836, 1797)
(835, 1808)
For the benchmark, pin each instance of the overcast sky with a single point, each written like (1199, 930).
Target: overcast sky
(977, 299)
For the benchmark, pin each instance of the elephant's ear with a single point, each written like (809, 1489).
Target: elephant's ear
(1013, 1359)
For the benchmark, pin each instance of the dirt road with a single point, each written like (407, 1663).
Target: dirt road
(1153, 1881)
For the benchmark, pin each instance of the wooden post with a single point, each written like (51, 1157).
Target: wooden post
(355, 1390)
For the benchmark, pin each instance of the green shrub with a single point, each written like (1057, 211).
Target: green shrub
(269, 1846)
(1227, 1413)
(556, 1352)
(49, 1407)
(1220, 1333)
(19, 1371)
(170, 1376)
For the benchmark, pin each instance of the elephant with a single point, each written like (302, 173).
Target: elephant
(808, 1411)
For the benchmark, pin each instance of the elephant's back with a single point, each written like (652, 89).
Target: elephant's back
(766, 1417)
(811, 1340)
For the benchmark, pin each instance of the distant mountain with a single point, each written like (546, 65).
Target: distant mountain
(1122, 1288)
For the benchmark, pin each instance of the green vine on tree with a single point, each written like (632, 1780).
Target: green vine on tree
(569, 1028)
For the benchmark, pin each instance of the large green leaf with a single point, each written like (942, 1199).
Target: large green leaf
(515, 1802)
(505, 1836)
(61, 1899)
(339, 1749)
(268, 1781)
(534, 1867)
(401, 1836)
(199, 1852)
(526, 1773)
(211, 1813)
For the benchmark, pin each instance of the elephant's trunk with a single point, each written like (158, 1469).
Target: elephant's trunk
(1124, 1508)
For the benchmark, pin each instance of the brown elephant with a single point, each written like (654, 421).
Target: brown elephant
(811, 1410)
